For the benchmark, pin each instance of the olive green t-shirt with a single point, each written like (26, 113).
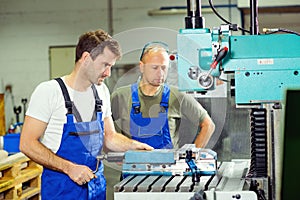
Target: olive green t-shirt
(184, 112)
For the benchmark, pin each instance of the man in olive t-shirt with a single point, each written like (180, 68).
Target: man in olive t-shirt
(152, 112)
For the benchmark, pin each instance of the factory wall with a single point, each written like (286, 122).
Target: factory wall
(28, 28)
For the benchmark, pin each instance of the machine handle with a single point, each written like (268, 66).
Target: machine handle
(221, 54)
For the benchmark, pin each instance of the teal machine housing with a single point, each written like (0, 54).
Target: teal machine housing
(264, 66)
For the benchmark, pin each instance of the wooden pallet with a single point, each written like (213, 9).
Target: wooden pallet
(20, 178)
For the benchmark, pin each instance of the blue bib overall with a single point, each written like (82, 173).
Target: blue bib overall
(81, 143)
(152, 131)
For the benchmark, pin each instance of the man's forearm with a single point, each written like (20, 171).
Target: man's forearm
(202, 139)
(119, 142)
(206, 130)
(45, 157)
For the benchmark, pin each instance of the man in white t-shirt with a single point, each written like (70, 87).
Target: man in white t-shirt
(68, 121)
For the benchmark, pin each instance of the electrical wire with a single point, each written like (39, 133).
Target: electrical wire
(222, 18)
(266, 31)
(277, 30)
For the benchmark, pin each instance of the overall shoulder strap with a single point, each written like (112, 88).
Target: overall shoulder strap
(98, 101)
(135, 98)
(165, 97)
(71, 109)
(68, 102)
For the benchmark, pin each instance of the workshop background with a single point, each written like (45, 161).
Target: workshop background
(37, 41)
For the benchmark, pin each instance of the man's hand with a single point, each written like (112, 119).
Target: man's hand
(80, 174)
(140, 146)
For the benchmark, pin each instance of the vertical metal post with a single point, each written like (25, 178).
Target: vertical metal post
(110, 16)
(194, 17)
(253, 17)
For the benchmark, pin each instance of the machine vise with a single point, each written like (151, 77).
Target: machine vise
(186, 161)
(185, 173)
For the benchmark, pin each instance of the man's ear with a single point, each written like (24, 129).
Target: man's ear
(85, 58)
(85, 55)
(141, 67)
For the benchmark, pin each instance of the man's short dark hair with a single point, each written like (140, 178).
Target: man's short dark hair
(94, 42)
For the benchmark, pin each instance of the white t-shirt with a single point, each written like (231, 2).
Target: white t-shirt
(48, 105)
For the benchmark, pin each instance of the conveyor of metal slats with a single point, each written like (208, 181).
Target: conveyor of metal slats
(140, 183)
(227, 183)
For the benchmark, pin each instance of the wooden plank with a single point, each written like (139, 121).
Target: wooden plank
(2, 116)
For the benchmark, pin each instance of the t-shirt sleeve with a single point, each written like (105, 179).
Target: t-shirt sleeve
(42, 101)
